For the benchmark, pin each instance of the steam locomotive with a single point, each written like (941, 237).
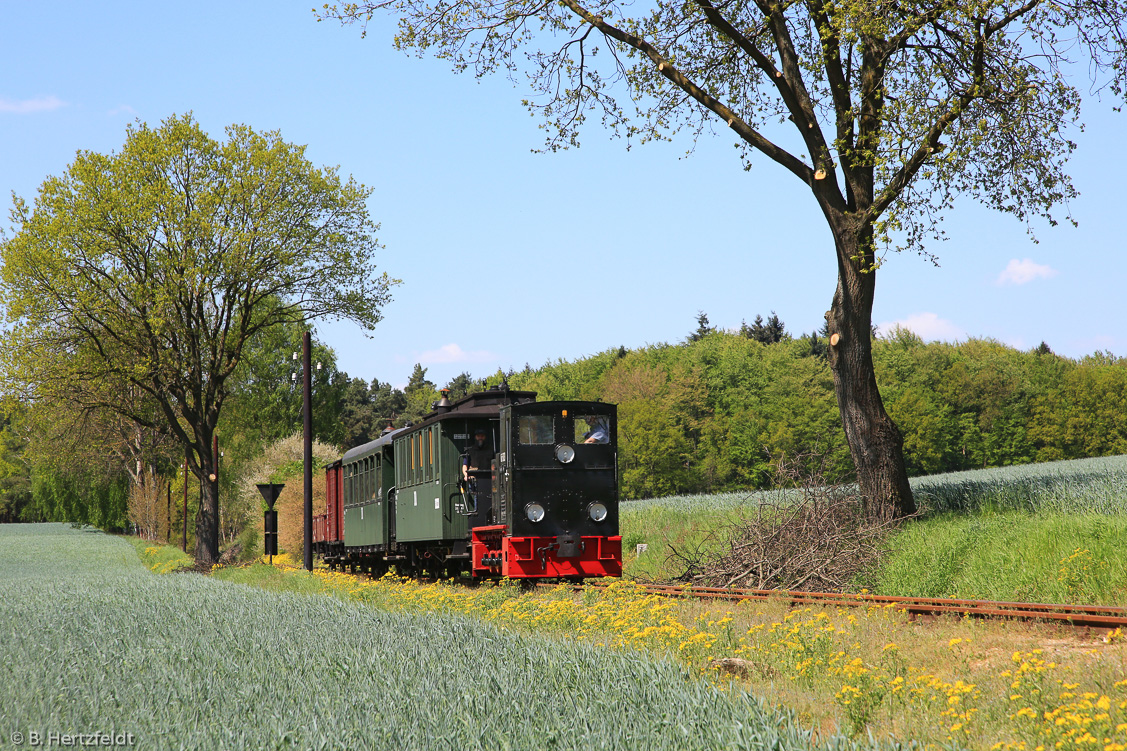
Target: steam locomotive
(546, 507)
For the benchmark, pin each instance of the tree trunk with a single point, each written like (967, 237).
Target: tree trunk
(207, 518)
(875, 443)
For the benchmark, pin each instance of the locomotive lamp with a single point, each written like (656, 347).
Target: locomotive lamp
(564, 453)
(534, 512)
(597, 511)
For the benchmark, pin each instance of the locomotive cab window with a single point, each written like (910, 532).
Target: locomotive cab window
(592, 429)
(536, 429)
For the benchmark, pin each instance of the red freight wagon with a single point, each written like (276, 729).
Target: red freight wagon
(328, 527)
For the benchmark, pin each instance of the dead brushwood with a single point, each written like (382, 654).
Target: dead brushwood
(811, 535)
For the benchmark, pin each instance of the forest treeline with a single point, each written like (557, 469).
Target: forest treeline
(718, 410)
(712, 412)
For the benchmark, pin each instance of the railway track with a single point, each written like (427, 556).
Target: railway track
(1077, 616)
(1103, 617)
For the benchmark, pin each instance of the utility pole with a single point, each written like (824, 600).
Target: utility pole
(306, 398)
(184, 518)
(215, 480)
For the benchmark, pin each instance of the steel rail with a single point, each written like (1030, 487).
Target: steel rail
(1081, 616)
(1106, 617)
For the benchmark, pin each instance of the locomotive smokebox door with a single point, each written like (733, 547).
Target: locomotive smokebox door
(568, 546)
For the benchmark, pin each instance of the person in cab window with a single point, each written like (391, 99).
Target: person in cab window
(478, 456)
(598, 433)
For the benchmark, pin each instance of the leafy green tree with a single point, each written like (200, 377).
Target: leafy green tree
(1086, 415)
(464, 384)
(154, 267)
(15, 470)
(58, 495)
(358, 419)
(654, 453)
(813, 346)
(581, 379)
(885, 111)
(928, 429)
(265, 400)
(387, 403)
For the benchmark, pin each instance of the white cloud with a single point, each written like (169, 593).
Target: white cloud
(122, 109)
(1025, 271)
(28, 106)
(928, 326)
(447, 354)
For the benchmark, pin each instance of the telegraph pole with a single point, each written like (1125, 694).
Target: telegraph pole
(184, 518)
(215, 481)
(306, 398)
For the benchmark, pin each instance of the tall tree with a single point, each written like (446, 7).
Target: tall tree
(886, 111)
(771, 331)
(15, 472)
(387, 403)
(703, 328)
(464, 384)
(420, 393)
(155, 266)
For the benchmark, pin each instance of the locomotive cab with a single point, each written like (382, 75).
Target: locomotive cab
(555, 493)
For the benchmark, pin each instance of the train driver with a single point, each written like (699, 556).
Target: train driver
(478, 456)
(599, 431)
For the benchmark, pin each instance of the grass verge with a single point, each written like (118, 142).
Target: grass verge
(1047, 557)
(159, 557)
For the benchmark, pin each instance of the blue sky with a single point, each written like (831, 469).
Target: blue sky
(509, 257)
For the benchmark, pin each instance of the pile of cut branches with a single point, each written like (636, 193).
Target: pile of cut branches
(811, 536)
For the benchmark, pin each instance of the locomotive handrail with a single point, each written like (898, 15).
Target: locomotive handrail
(458, 486)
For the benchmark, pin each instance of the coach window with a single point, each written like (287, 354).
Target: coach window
(374, 484)
(411, 461)
(536, 429)
(429, 456)
(370, 489)
(432, 442)
(367, 481)
(417, 456)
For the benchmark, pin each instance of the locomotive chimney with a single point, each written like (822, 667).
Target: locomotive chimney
(444, 404)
